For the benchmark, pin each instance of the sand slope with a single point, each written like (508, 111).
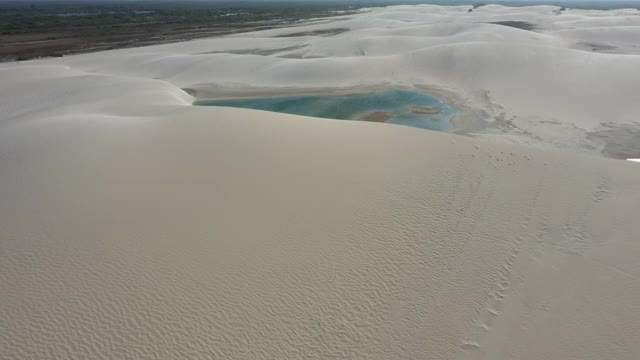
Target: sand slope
(243, 236)
(136, 226)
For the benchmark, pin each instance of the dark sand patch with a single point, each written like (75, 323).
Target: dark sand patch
(594, 47)
(298, 56)
(262, 52)
(523, 25)
(323, 32)
(376, 116)
(620, 141)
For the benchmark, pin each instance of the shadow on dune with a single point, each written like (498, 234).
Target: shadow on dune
(523, 25)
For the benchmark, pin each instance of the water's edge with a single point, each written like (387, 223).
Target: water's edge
(402, 107)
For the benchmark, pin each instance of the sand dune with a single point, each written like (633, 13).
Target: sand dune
(134, 225)
(558, 85)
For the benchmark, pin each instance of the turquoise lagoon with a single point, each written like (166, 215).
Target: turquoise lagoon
(399, 104)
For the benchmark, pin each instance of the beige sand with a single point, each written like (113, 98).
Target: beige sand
(136, 226)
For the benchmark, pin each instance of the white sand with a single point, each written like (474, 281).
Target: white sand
(568, 84)
(136, 226)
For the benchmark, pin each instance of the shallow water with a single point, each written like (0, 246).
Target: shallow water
(398, 103)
